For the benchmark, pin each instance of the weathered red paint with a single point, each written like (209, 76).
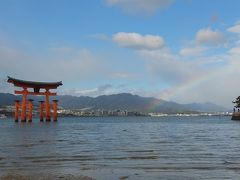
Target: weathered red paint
(30, 105)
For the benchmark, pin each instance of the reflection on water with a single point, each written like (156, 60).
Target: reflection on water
(133, 148)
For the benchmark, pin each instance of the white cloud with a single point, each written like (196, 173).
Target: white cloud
(191, 51)
(218, 85)
(77, 69)
(105, 89)
(206, 79)
(234, 51)
(207, 36)
(166, 67)
(140, 6)
(79, 65)
(235, 28)
(205, 39)
(138, 41)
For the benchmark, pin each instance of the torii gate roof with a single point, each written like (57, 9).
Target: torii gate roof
(34, 84)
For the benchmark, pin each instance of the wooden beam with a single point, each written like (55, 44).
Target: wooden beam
(34, 93)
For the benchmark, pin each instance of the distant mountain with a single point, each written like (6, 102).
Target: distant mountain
(7, 99)
(123, 101)
(205, 107)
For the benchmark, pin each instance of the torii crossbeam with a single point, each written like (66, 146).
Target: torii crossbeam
(36, 87)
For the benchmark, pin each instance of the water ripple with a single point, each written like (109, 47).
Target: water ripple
(126, 148)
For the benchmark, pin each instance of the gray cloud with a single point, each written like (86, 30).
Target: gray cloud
(79, 65)
(192, 51)
(205, 79)
(70, 65)
(168, 68)
(105, 89)
(4, 86)
(207, 36)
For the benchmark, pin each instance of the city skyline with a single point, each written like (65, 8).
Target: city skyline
(184, 51)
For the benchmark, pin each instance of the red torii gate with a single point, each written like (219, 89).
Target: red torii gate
(36, 86)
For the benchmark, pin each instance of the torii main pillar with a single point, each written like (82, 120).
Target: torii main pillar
(36, 86)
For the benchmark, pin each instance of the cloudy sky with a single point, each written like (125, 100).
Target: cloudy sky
(179, 50)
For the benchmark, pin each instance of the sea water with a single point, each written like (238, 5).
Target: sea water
(123, 147)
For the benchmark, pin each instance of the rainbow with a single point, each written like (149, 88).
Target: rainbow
(190, 84)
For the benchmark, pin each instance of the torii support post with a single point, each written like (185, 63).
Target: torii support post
(41, 110)
(55, 107)
(24, 105)
(48, 107)
(30, 105)
(16, 110)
